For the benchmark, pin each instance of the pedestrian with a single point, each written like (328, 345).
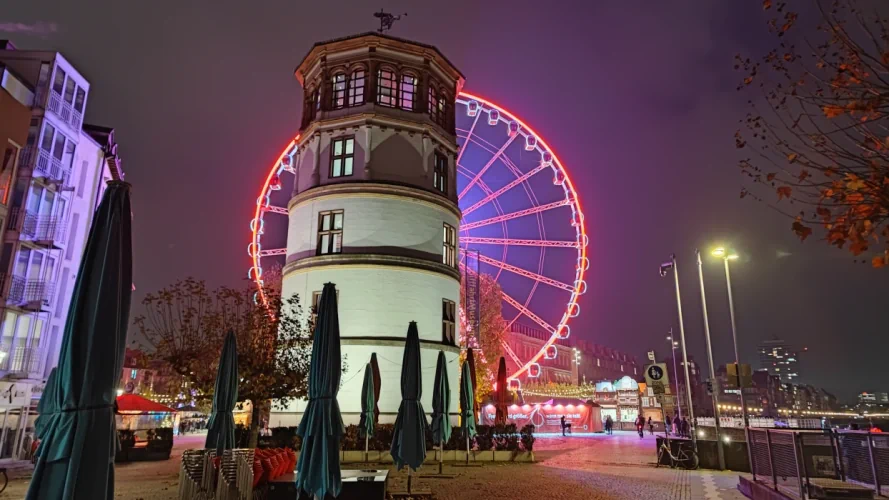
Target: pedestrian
(668, 425)
(563, 424)
(650, 426)
(640, 426)
(609, 425)
(685, 428)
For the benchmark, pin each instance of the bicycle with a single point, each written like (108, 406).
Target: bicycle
(5, 480)
(686, 456)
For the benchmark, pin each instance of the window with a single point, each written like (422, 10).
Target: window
(407, 91)
(9, 158)
(449, 246)
(75, 221)
(48, 133)
(82, 183)
(448, 322)
(440, 174)
(316, 305)
(386, 91)
(78, 101)
(59, 83)
(58, 151)
(356, 88)
(433, 104)
(61, 302)
(330, 232)
(338, 91)
(342, 156)
(69, 91)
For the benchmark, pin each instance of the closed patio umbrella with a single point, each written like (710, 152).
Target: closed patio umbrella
(79, 435)
(221, 425)
(467, 406)
(368, 404)
(441, 407)
(501, 394)
(409, 436)
(321, 428)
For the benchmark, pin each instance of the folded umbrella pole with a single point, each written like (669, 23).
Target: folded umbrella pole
(368, 404)
(441, 405)
(409, 436)
(221, 425)
(467, 406)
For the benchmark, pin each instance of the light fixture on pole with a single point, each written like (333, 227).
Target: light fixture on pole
(673, 346)
(714, 384)
(664, 269)
(726, 256)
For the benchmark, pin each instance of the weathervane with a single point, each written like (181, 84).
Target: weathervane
(386, 20)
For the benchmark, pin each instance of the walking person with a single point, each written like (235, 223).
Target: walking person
(668, 425)
(640, 426)
(609, 425)
(563, 424)
(650, 426)
(685, 428)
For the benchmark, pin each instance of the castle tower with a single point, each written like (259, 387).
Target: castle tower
(374, 208)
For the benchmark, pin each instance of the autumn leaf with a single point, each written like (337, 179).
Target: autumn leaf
(854, 183)
(803, 175)
(792, 157)
(880, 260)
(801, 230)
(766, 4)
(832, 111)
(771, 177)
(858, 247)
(783, 192)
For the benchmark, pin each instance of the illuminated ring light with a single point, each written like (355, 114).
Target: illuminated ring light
(521, 180)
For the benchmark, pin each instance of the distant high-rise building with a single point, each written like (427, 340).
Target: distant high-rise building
(780, 359)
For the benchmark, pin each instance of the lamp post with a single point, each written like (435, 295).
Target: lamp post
(673, 346)
(719, 450)
(727, 256)
(666, 267)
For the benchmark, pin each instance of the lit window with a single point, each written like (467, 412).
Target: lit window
(407, 91)
(356, 88)
(133, 373)
(69, 91)
(338, 91)
(78, 101)
(449, 246)
(440, 174)
(330, 232)
(48, 133)
(433, 104)
(598, 362)
(59, 83)
(342, 156)
(386, 88)
(448, 322)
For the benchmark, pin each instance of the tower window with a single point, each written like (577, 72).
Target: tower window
(440, 173)
(342, 156)
(356, 88)
(448, 322)
(433, 104)
(407, 91)
(338, 91)
(330, 232)
(386, 88)
(449, 246)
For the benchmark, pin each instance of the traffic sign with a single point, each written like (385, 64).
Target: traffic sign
(656, 377)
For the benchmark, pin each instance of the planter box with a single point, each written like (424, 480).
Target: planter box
(523, 456)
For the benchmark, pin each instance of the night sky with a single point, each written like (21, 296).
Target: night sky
(637, 97)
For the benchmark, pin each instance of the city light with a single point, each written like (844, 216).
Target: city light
(723, 254)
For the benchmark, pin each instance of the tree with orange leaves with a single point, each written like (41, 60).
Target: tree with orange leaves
(492, 333)
(819, 135)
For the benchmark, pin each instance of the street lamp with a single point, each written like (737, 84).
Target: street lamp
(719, 451)
(664, 269)
(673, 346)
(726, 256)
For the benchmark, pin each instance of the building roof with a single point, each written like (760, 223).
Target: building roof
(104, 136)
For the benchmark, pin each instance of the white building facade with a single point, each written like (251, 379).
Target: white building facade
(374, 209)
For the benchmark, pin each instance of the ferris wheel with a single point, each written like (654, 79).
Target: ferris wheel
(521, 219)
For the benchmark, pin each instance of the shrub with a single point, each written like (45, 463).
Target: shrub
(528, 438)
(506, 437)
(484, 439)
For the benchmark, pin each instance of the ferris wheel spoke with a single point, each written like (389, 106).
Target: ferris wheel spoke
(515, 215)
(468, 136)
(272, 252)
(277, 210)
(487, 165)
(504, 189)
(524, 310)
(524, 272)
(525, 243)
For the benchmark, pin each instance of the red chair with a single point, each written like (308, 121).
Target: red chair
(258, 473)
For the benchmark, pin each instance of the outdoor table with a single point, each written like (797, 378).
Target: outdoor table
(368, 484)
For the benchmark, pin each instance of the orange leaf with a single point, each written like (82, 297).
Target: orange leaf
(801, 230)
(879, 261)
(792, 157)
(783, 192)
(803, 175)
(832, 111)
(858, 247)
(767, 4)
(771, 177)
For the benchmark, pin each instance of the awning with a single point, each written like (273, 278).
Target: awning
(133, 403)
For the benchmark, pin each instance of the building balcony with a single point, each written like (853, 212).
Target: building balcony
(22, 361)
(31, 295)
(46, 166)
(41, 230)
(64, 110)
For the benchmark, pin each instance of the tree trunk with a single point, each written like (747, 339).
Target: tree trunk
(254, 423)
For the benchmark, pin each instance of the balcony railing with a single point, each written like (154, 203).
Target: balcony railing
(22, 360)
(64, 110)
(45, 165)
(43, 230)
(33, 295)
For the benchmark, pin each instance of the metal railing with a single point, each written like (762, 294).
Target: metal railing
(24, 291)
(38, 228)
(800, 463)
(23, 359)
(64, 110)
(45, 165)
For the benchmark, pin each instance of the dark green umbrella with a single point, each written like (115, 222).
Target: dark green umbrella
(470, 358)
(441, 406)
(79, 435)
(321, 428)
(467, 405)
(46, 406)
(501, 394)
(409, 438)
(368, 404)
(221, 425)
(375, 367)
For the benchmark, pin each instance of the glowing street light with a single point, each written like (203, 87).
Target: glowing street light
(726, 256)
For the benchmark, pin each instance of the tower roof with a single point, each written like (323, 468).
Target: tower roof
(320, 49)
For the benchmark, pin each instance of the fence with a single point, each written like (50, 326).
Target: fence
(797, 462)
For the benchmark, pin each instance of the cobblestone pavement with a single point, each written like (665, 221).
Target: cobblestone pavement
(590, 467)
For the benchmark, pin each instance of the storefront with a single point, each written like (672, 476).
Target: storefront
(15, 405)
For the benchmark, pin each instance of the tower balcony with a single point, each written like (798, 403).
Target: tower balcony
(46, 166)
(64, 110)
(31, 295)
(42, 230)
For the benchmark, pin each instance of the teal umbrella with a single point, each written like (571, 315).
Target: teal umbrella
(79, 435)
(501, 394)
(321, 428)
(409, 438)
(441, 406)
(467, 406)
(368, 404)
(221, 425)
(45, 407)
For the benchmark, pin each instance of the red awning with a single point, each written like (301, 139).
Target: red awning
(136, 403)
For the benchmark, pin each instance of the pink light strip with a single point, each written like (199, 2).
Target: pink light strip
(515, 215)
(504, 189)
(527, 274)
(525, 243)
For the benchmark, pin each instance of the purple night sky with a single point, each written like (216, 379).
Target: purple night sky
(638, 101)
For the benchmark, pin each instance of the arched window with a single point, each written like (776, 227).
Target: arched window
(338, 91)
(407, 91)
(433, 104)
(356, 87)
(387, 91)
